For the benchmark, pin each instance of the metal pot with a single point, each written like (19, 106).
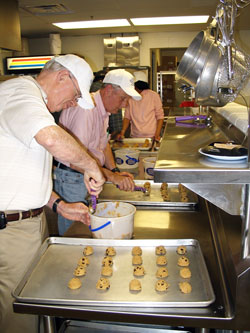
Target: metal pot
(214, 88)
(194, 59)
(205, 67)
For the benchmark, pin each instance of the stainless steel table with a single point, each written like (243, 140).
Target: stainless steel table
(161, 225)
(218, 233)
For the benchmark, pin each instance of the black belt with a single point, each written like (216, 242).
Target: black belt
(64, 167)
(5, 218)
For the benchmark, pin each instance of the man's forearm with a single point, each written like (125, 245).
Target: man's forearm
(158, 127)
(109, 158)
(64, 147)
(125, 125)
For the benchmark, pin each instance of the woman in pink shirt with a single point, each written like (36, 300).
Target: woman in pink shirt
(145, 116)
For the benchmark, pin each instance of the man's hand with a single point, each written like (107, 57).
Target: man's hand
(94, 181)
(75, 211)
(124, 180)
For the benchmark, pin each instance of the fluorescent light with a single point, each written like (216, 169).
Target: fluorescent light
(93, 24)
(169, 20)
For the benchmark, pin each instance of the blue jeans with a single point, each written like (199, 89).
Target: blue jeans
(71, 187)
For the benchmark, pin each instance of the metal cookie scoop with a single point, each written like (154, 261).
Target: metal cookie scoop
(139, 188)
(92, 204)
(143, 189)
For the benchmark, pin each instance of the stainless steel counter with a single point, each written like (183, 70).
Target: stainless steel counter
(159, 224)
(179, 159)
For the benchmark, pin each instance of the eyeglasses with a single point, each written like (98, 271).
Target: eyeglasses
(78, 95)
(120, 93)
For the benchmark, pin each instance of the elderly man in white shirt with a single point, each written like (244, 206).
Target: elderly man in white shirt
(29, 140)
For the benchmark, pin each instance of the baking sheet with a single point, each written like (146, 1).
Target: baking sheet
(133, 143)
(111, 193)
(47, 278)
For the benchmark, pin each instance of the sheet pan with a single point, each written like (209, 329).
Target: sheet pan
(46, 280)
(132, 143)
(111, 193)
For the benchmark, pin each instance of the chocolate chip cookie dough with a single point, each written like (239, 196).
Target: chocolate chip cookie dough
(162, 272)
(139, 271)
(74, 283)
(136, 260)
(135, 285)
(103, 284)
(183, 261)
(161, 285)
(185, 287)
(80, 271)
(161, 261)
(88, 250)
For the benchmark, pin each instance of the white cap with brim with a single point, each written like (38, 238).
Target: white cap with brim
(83, 74)
(140, 76)
(123, 79)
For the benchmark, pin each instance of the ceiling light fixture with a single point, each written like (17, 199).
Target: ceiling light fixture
(93, 24)
(170, 20)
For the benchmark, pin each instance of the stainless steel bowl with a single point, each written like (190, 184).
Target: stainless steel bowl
(194, 59)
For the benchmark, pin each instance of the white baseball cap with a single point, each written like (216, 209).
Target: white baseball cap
(140, 76)
(123, 79)
(83, 74)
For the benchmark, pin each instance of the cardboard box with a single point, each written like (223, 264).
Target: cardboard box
(169, 62)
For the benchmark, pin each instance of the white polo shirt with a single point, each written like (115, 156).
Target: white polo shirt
(25, 166)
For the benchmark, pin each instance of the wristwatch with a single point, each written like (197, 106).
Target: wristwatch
(116, 170)
(55, 204)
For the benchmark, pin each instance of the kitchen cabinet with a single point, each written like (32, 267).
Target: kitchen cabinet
(10, 31)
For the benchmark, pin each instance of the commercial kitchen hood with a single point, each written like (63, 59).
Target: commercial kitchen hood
(121, 51)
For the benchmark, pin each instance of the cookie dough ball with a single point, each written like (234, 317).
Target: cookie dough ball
(185, 287)
(135, 285)
(137, 260)
(162, 272)
(136, 251)
(74, 283)
(110, 251)
(184, 198)
(160, 250)
(166, 196)
(161, 285)
(80, 271)
(139, 271)
(161, 261)
(185, 273)
(147, 185)
(164, 192)
(183, 261)
(103, 284)
(107, 261)
(84, 261)
(107, 271)
(181, 249)
(164, 186)
(88, 250)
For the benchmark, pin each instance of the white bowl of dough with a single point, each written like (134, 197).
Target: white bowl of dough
(149, 163)
(127, 158)
(113, 220)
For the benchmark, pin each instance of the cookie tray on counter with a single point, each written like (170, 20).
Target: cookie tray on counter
(111, 193)
(132, 143)
(46, 280)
